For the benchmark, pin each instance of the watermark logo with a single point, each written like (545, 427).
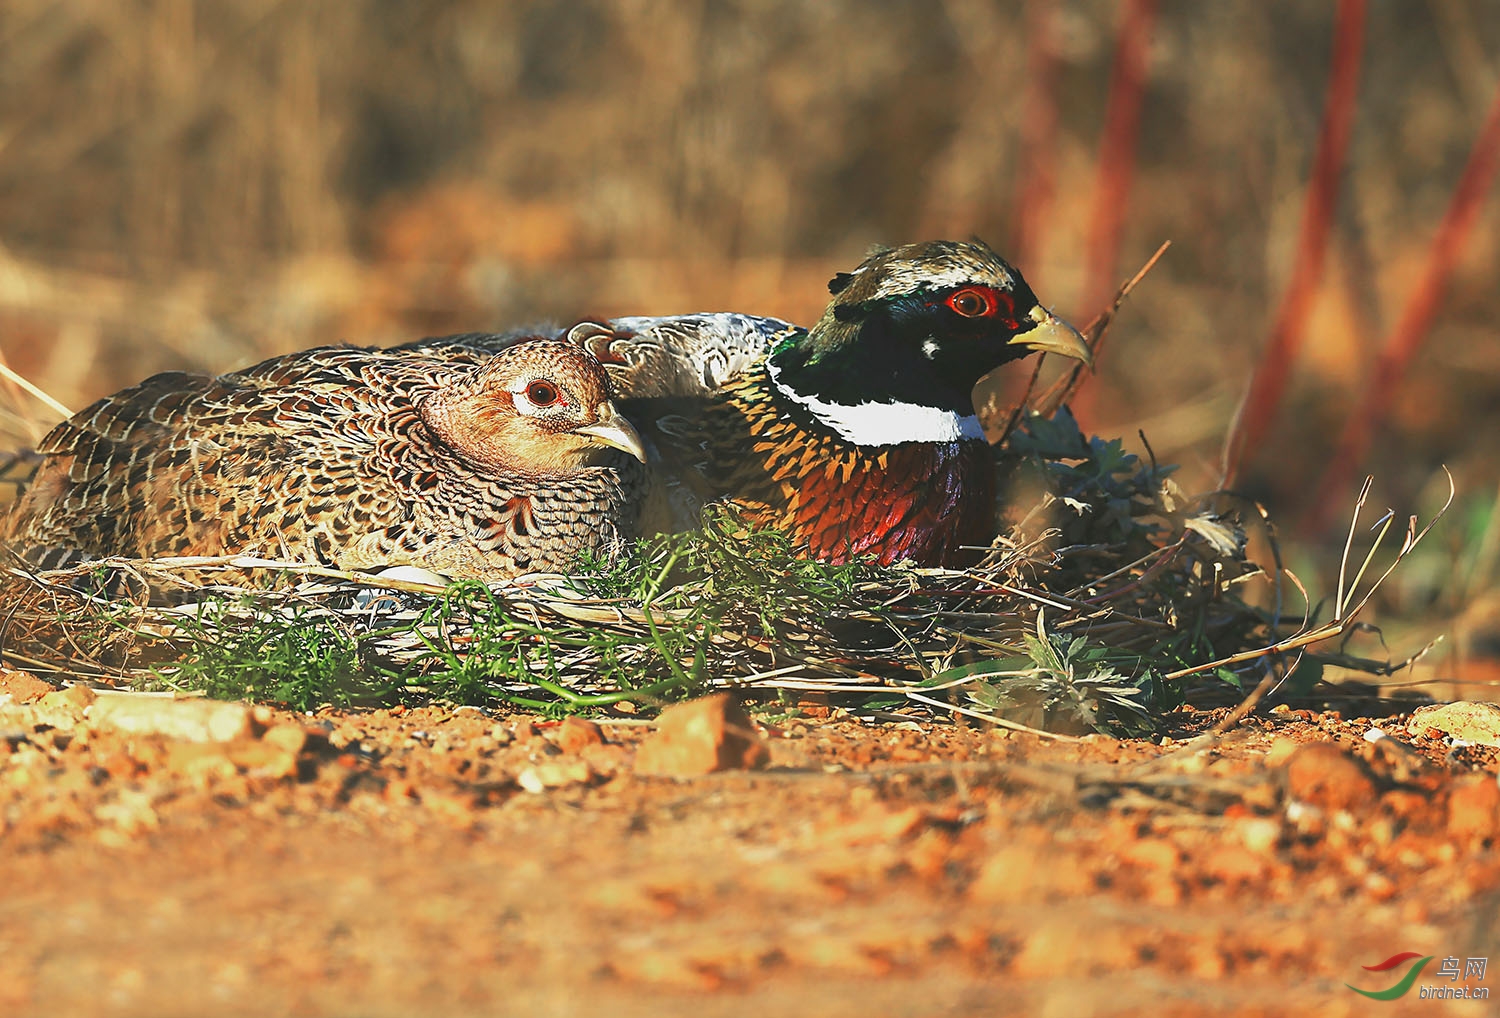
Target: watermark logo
(1401, 988)
(1472, 968)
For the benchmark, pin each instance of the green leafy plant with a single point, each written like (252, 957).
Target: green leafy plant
(1061, 684)
(297, 655)
(1107, 492)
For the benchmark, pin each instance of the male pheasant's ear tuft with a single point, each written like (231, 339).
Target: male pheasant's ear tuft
(840, 282)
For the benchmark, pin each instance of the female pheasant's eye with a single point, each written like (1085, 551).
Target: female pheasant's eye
(973, 302)
(542, 393)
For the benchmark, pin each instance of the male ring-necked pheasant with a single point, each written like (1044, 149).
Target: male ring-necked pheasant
(464, 463)
(856, 436)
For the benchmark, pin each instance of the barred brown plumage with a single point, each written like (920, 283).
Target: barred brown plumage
(468, 464)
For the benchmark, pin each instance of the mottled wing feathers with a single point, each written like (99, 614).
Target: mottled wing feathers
(320, 456)
(647, 358)
(146, 409)
(188, 464)
(682, 356)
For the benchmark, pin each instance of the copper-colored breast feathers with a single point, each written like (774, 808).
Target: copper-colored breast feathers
(921, 501)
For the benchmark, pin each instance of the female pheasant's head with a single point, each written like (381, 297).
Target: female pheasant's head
(538, 407)
(896, 355)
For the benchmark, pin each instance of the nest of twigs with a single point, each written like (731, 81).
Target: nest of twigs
(1109, 601)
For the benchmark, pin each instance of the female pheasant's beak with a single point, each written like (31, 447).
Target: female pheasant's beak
(614, 431)
(1053, 335)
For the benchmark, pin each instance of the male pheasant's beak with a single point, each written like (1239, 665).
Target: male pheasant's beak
(1053, 335)
(614, 431)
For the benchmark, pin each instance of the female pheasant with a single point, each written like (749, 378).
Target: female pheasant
(466, 464)
(857, 436)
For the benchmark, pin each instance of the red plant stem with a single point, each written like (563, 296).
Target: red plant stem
(1415, 324)
(1116, 166)
(1275, 367)
(1038, 177)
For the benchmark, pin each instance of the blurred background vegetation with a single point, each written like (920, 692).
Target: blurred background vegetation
(200, 185)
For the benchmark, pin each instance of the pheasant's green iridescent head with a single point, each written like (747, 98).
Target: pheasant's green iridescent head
(920, 325)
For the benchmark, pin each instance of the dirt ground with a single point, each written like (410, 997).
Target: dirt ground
(167, 857)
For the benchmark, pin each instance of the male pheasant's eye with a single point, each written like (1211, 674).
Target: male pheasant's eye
(542, 394)
(974, 302)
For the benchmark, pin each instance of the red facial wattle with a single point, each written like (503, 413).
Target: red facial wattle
(983, 302)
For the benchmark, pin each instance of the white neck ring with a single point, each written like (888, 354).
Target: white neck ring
(891, 423)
